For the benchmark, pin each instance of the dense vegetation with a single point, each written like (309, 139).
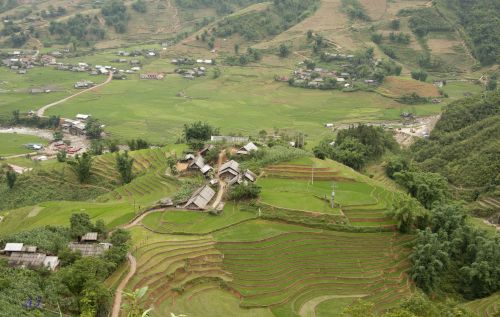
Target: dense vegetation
(281, 15)
(77, 287)
(357, 145)
(464, 147)
(220, 6)
(423, 21)
(481, 21)
(83, 28)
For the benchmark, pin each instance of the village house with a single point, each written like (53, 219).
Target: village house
(200, 198)
(249, 147)
(154, 76)
(81, 116)
(229, 139)
(89, 249)
(33, 260)
(74, 127)
(83, 84)
(229, 171)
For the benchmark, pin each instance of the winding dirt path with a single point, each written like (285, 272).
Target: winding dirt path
(40, 112)
(119, 290)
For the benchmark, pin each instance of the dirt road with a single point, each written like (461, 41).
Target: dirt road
(119, 290)
(40, 112)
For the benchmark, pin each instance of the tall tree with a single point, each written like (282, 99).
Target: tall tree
(429, 260)
(124, 165)
(81, 165)
(11, 178)
(407, 211)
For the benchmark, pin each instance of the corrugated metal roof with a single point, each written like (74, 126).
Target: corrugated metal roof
(14, 247)
(89, 236)
(233, 165)
(201, 197)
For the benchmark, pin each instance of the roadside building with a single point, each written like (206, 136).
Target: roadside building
(154, 76)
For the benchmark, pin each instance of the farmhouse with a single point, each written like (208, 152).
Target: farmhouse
(249, 147)
(81, 116)
(200, 198)
(229, 139)
(154, 76)
(89, 237)
(250, 176)
(33, 260)
(197, 163)
(229, 171)
(89, 249)
(83, 84)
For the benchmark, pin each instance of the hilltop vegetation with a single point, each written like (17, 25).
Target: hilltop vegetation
(464, 144)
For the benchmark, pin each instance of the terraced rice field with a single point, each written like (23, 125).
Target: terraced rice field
(172, 265)
(291, 186)
(150, 183)
(287, 271)
(486, 307)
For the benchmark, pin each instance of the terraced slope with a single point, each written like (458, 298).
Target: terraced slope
(288, 270)
(486, 307)
(171, 266)
(359, 198)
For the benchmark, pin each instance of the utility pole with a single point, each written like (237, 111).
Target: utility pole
(332, 199)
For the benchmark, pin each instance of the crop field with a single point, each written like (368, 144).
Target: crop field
(289, 185)
(13, 144)
(153, 109)
(184, 275)
(485, 307)
(399, 86)
(230, 273)
(287, 271)
(192, 222)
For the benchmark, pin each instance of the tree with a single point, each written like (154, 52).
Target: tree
(140, 6)
(427, 188)
(15, 117)
(396, 164)
(395, 24)
(350, 152)
(236, 48)
(96, 147)
(284, 50)
(113, 146)
(200, 131)
(492, 83)
(172, 164)
(429, 260)
(377, 38)
(244, 191)
(11, 178)
(57, 135)
(124, 165)
(80, 224)
(419, 75)
(407, 211)
(61, 156)
(119, 237)
(93, 128)
(81, 166)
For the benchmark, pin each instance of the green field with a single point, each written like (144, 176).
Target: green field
(152, 109)
(13, 143)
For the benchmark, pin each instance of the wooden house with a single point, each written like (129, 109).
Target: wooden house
(200, 198)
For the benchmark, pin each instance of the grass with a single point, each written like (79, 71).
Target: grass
(59, 212)
(191, 222)
(13, 143)
(485, 307)
(301, 194)
(225, 102)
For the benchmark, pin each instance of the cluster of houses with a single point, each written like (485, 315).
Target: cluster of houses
(189, 61)
(21, 255)
(229, 172)
(27, 256)
(145, 53)
(317, 77)
(191, 73)
(75, 126)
